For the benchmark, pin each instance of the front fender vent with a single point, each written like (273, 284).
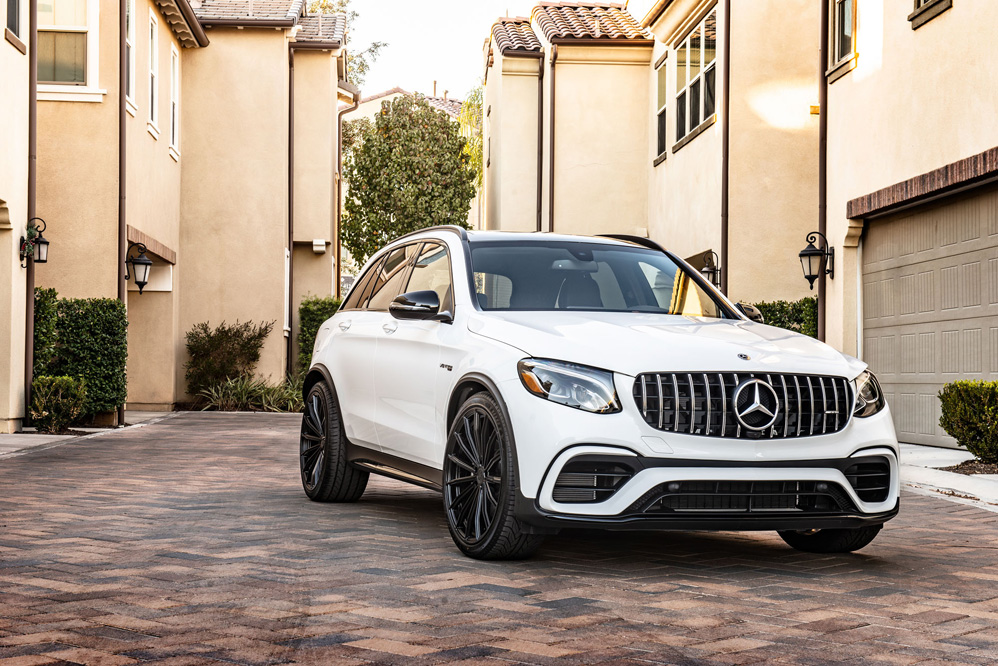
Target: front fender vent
(586, 482)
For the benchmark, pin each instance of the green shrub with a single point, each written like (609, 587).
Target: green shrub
(56, 402)
(970, 415)
(226, 352)
(311, 314)
(800, 316)
(246, 394)
(93, 344)
(46, 317)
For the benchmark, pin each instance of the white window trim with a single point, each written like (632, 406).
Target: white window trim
(91, 91)
(130, 104)
(833, 39)
(701, 76)
(174, 102)
(153, 79)
(662, 69)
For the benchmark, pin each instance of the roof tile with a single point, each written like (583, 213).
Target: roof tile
(515, 35)
(587, 20)
(266, 10)
(324, 28)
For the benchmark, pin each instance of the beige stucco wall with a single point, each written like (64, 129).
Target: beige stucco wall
(234, 186)
(13, 217)
(152, 350)
(907, 108)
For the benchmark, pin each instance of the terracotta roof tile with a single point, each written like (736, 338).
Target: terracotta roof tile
(394, 91)
(325, 28)
(587, 20)
(515, 35)
(449, 105)
(267, 10)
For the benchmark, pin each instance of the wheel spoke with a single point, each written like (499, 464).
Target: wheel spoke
(463, 518)
(494, 499)
(461, 479)
(310, 437)
(461, 498)
(317, 470)
(493, 480)
(460, 463)
(471, 450)
(466, 448)
(479, 501)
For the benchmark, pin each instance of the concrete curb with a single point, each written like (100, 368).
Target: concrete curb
(959, 488)
(70, 440)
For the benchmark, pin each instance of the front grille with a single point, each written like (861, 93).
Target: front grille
(583, 482)
(871, 479)
(744, 497)
(701, 403)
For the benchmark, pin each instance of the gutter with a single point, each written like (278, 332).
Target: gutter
(122, 165)
(247, 23)
(554, 59)
(192, 22)
(725, 145)
(339, 186)
(289, 344)
(822, 157)
(540, 141)
(29, 311)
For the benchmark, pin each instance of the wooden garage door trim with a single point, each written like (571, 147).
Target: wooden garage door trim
(944, 181)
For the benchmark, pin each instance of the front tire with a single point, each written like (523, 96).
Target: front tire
(480, 485)
(326, 475)
(831, 541)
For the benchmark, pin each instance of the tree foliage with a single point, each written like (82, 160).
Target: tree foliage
(358, 62)
(800, 316)
(408, 172)
(471, 129)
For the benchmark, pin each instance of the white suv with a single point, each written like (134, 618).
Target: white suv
(546, 381)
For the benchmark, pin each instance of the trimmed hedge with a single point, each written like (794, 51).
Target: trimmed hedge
(970, 415)
(56, 402)
(799, 316)
(46, 333)
(93, 344)
(222, 353)
(312, 313)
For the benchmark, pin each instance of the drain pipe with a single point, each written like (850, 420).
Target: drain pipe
(29, 310)
(289, 344)
(339, 190)
(822, 157)
(725, 145)
(540, 142)
(554, 59)
(122, 162)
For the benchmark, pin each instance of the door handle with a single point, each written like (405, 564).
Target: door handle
(390, 327)
(344, 325)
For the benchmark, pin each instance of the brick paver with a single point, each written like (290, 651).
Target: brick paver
(190, 541)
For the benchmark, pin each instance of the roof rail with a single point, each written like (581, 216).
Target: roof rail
(453, 228)
(637, 240)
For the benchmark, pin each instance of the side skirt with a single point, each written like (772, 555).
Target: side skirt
(394, 467)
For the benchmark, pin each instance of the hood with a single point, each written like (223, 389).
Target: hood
(632, 343)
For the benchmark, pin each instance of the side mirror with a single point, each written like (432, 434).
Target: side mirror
(751, 312)
(419, 305)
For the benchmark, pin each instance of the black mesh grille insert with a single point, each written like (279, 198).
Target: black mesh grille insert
(582, 481)
(745, 497)
(702, 403)
(871, 479)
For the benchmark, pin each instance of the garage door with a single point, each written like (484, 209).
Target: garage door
(930, 306)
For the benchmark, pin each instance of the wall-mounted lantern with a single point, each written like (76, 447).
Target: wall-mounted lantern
(711, 270)
(140, 264)
(814, 260)
(34, 245)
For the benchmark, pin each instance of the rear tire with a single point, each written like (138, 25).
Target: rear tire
(480, 485)
(831, 541)
(326, 475)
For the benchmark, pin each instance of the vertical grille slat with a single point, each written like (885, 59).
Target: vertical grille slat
(701, 403)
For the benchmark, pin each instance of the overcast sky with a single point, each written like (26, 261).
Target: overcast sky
(433, 40)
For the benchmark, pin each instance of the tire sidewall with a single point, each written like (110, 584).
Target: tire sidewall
(328, 444)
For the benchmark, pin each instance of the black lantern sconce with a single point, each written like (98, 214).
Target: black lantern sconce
(140, 264)
(814, 260)
(34, 245)
(711, 270)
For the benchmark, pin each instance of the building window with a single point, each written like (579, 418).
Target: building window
(696, 76)
(62, 41)
(14, 17)
(130, 52)
(153, 70)
(843, 30)
(174, 99)
(926, 10)
(660, 116)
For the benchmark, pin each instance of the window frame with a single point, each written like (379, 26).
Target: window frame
(153, 80)
(450, 270)
(174, 103)
(838, 65)
(130, 104)
(661, 110)
(926, 10)
(91, 52)
(13, 20)
(682, 111)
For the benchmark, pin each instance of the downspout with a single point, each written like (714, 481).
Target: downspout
(122, 164)
(289, 345)
(29, 312)
(540, 142)
(822, 156)
(554, 59)
(339, 190)
(725, 144)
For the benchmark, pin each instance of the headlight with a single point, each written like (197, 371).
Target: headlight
(578, 386)
(869, 397)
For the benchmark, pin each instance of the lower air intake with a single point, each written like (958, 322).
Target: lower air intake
(586, 482)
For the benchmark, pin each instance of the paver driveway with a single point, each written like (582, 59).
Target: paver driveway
(190, 541)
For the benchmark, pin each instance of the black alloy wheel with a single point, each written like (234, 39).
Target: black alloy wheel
(480, 485)
(326, 475)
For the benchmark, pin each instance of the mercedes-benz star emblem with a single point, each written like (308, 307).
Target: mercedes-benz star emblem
(756, 404)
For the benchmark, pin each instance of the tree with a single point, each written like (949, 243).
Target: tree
(471, 129)
(359, 62)
(406, 172)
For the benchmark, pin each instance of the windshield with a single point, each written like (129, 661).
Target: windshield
(563, 275)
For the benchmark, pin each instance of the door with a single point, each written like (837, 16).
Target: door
(409, 368)
(930, 306)
(353, 349)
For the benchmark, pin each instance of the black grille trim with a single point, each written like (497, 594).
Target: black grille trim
(871, 479)
(779, 497)
(701, 403)
(583, 481)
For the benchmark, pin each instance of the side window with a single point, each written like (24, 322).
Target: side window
(432, 273)
(389, 279)
(363, 283)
